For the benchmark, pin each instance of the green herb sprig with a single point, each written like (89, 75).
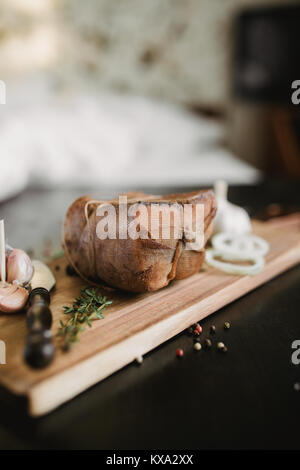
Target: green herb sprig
(86, 308)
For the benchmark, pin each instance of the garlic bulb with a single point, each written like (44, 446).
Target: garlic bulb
(12, 298)
(229, 218)
(19, 268)
(16, 270)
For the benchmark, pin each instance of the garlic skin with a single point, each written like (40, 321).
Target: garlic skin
(19, 268)
(12, 298)
(229, 218)
(19, 272)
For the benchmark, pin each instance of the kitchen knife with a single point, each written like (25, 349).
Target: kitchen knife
(39, 348)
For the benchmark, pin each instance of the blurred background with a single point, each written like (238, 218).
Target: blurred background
(144, 93)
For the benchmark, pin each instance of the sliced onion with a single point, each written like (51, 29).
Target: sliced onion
(241, 246)
(257, 260)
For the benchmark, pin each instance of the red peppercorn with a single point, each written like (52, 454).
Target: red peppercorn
(196, 332)
(179, 352)
(199, 328)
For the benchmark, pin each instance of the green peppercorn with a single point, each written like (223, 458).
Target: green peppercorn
(226, 325)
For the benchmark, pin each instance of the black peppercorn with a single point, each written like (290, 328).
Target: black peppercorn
(213, 329)
(190, 331)
(70, 271)
(208, 343)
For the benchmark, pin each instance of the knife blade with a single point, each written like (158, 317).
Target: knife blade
(39, 348)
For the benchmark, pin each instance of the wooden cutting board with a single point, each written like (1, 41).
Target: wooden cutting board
(133, 325)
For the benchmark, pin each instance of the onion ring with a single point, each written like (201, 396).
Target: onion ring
(257, 260)
(242, 246)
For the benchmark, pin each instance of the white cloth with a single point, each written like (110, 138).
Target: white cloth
(106, 139)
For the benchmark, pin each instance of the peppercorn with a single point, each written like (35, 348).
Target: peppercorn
(196, 332)
(221, 347)
(199, 329)
(190, 331)
(213, 329)
(226, 325)
(224, 350)
(139, 359)
(70, 271)
(196, 339)
(197, 346)
(208, 343)
(179, 352)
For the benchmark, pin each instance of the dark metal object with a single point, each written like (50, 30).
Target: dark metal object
(39, 348)
(39, 315)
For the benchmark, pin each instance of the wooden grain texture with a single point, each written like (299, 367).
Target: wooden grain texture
(133, 325)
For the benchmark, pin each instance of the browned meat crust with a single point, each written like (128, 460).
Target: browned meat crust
(135, 265)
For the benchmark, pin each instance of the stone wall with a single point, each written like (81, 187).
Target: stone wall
(175, 49)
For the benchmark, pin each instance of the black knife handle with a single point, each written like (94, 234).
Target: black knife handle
(39, 348)
(39, 294)
(39, 316)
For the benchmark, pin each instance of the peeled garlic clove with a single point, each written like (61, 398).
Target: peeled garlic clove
(19, 268)
(12, 298)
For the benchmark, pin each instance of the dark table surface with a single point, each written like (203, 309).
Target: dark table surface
(206, 400)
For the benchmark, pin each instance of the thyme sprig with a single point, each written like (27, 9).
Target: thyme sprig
(86, 308)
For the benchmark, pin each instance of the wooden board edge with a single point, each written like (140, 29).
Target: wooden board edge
(44, 398)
